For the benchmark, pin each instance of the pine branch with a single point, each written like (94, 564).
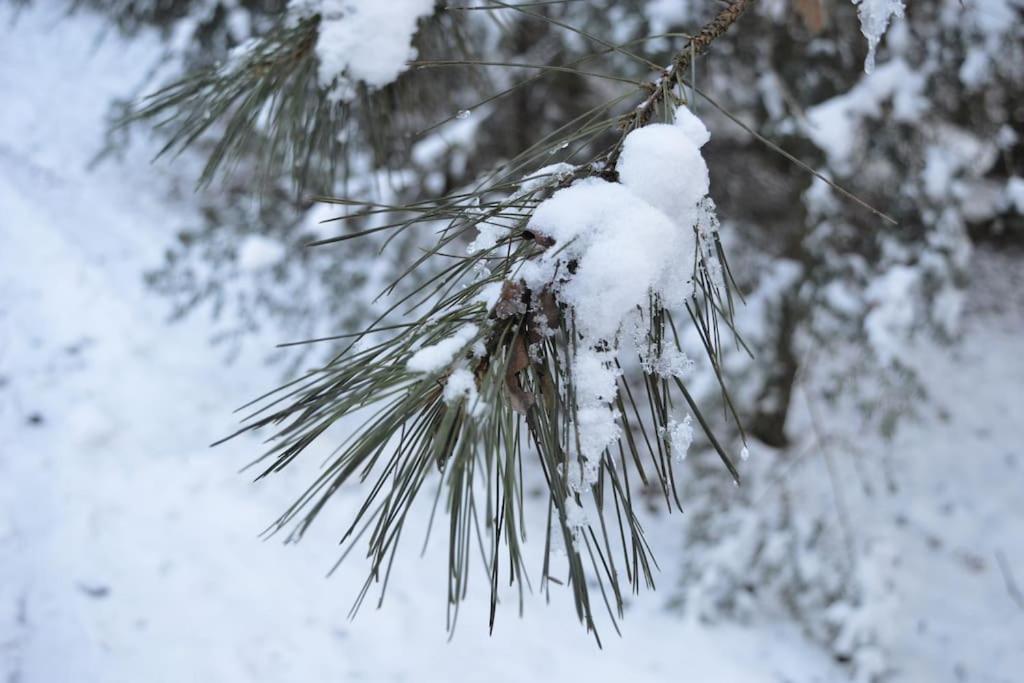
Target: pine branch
(676, 71)
(506, 390)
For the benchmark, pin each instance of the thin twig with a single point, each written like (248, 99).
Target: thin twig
(778, 150)
(1011, 585)
(682, 61)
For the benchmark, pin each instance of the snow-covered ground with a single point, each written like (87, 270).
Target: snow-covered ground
(129, 551)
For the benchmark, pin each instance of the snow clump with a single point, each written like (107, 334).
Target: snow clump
(614, 245)
(679, 436)
(362, 40)
(257, 252)
(436, 357)
(462, 385)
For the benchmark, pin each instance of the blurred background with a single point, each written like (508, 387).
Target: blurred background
(145, 284)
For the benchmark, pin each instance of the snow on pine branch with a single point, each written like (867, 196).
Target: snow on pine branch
(875, 16)
(437, 356)
(614, 245)
(362, 40)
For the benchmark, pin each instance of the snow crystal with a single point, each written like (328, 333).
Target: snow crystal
(462, 385)
(679, 436)
(874, 20)
(363, 40)
(707, 231)
(670, 362)
(257, 252)
(437, 356)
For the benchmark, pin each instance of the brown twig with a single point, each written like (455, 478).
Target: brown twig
(676, 71)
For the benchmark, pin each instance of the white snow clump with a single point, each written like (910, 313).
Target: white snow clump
(623, 241)
(436, 357)
(362, 40)
(462, 385)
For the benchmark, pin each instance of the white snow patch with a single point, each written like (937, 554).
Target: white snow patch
(596, 377)
(488, 236)
(1015, 193)
(543, 176)
(575, 518)
(258, 252)
(664, 14)
(889, 323)
(679, 436)
(461, 385)
(489, 295)
(437, 356)
(363, 40)
(836, 125)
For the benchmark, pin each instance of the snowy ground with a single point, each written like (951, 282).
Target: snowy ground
(129, 550)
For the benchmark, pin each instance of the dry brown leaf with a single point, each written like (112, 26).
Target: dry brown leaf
(813, 14)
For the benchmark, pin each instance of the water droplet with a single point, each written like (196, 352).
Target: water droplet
(463, 114)
(559, 148)
(744, 453)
